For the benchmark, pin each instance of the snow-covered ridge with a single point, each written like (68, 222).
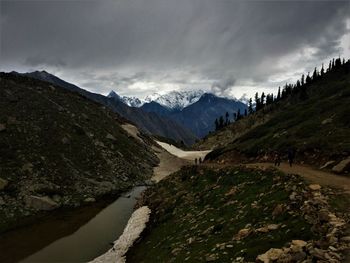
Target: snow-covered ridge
(176, 99)
(130, 101)
(172, 100)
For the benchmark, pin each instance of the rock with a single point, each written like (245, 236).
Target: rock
(3, 183)
(110, 137)
(210, 258)
(2, 201)
(262, 229)
(242, 233)
(314, 187)
(271, 255)
(2, 127)
(40, 203)
(326, 121)
(327, 164)
(273, 227)
(342, 167)
(232, 191)
(89, 200)
(298, 243)
(277, 210)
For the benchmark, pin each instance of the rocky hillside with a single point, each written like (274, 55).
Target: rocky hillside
(242, 215)
(59, 149)
(317, 126)
(151, 123)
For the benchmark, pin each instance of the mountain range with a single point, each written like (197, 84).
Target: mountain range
(179, 115)
(195, 110)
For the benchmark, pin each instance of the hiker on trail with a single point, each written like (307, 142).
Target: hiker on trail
(291, 154)
(277, 158)
(195, 161)
(200, 160)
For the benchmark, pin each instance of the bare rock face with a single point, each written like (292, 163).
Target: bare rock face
(44, 203)
(3, 183)
(342, 167)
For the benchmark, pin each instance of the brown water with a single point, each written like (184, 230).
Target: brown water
(72, 236)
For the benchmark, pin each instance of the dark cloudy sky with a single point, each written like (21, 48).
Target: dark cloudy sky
(137, 47)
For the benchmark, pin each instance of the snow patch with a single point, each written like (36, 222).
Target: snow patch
(132, 231)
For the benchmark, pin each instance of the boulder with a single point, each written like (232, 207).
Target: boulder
(44, 203)
(342, 167)
(315, 187)
(271, 255)
(242, 233)
(3, 183)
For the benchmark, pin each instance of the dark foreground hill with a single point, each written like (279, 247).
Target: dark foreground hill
(151, 123)
(58, 148)
(316, 125)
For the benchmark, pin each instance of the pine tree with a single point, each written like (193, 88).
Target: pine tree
(322, 70)
(302, 80)
(245, 112)
(257, 102)
(250, 106)
(221, 122)
(227, 120)
(216, 124)
(239, 116)
(262, 99)
(314, 75)
(308, 79)
(279, 93)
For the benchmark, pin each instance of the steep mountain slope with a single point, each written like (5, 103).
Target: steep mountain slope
(200, 116)
(148, 122)
(317, 125)
(58, 148)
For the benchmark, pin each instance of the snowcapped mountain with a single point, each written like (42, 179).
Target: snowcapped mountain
(176, 100)
(130, 101)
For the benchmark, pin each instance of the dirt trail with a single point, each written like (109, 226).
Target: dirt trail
(312, 175)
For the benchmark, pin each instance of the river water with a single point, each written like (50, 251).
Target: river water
(74, 236)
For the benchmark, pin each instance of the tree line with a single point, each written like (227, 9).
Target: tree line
(300, 89)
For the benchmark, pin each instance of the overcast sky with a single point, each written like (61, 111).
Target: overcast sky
(138, 47)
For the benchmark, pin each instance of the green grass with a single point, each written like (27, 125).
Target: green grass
(193, 204)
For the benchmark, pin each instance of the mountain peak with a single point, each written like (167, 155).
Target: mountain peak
(176, 100)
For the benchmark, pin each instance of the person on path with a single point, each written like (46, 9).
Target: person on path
(200, 160)
(277, 159)
(195, 161)
(291, 155)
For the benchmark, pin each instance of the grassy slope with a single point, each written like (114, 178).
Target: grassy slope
(297, 123)
(194, 217)
(56, 144)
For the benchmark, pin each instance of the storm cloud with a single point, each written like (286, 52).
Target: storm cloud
(137, 47)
